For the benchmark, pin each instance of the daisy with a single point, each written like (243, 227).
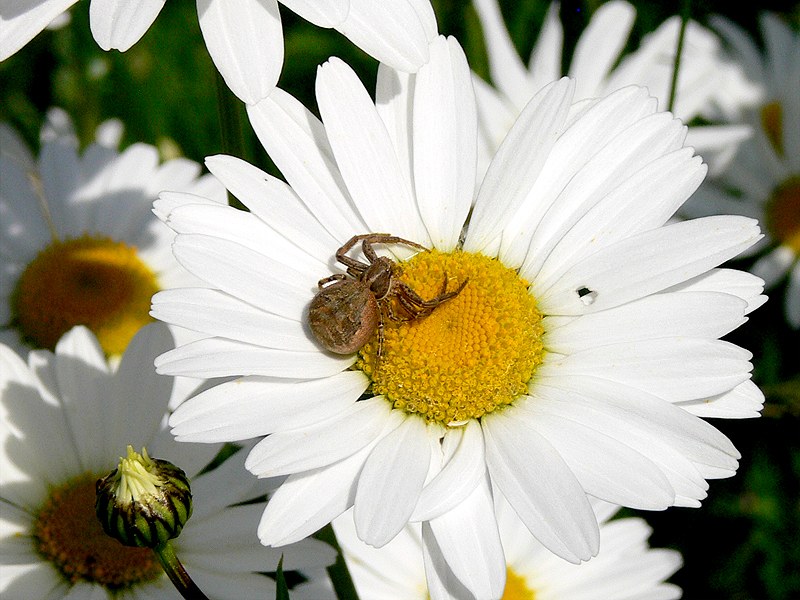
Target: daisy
(79, 241)
(624, 569)
(245, 37)
(575, 360)
(763, 179)
(65, 420)
(709, 85)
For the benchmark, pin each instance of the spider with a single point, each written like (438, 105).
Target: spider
(344, 315)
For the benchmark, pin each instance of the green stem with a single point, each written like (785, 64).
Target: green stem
(338, 572)
(176, 573)
(673, 92)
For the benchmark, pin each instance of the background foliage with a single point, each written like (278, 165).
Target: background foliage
(744, 544)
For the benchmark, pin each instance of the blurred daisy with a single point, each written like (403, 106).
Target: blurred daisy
(245, 37)
(624, 569)
(708, 84)
(79, 241)
(763, 180)
(573, 362)
(66, 418)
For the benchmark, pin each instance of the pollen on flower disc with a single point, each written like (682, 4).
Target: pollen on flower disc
(91, 281)
(783, 213)
(67, 534)
(473, 354)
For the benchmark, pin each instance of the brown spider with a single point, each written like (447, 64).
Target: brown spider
(344, 315)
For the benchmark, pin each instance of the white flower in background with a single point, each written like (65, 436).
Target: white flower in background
(763, 179)
(575, 360)
(624, 569)
(244, 37)
(80, 243)
(708, 84)
(65, 419)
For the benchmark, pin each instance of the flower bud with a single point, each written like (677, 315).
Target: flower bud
(144, 502)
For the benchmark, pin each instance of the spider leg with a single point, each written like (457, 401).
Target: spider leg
(418, 306)
(334, 277)
(341, 253)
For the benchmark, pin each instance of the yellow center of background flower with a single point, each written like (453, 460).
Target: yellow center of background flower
(67, 534)
(516, 588)
(783, 213)
(90, 281)
(473, 354)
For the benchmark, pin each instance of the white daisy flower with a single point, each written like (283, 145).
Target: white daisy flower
(763, 179)
(80, 243)
(245, 37)
(626, 568)
(65, 419)
(708, 84)
(574, 361)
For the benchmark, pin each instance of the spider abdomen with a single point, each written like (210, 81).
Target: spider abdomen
(343, 316)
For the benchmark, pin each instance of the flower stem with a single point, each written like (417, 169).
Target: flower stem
(673, 92)
(338, 572)
(176, 573)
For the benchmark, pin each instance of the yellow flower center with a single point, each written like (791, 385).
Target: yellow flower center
(783, 213)
(67, 534)
(772, 123)
(473, 354)
(90, 281)
(516, 588)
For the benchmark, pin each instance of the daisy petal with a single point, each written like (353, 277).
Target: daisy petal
(119, 24)
(214, 357)
(648, 262)
(745, 401)
(320, 444)
(393, 31)
(540, 486)
(391, 481)
(517, 163)
(365, 154)
(674, 369)
(464, 469)
(471, 545)
(263, 406)
(245, 40)
(445, 143)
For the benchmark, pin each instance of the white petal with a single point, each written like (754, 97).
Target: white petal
(245, 40)
(464, 469)
(648, 262)
(540, 486)
(215, 313)
(319, 444)
(20, 25)
(445, 142)
(297, 142)
(745, 401)
(611, 470)
(392, 31)
(508, 71)
(214, 357)
(264, 406)
(322, 13)
(699, 314)
(391, 481)
(119, 24)
(468, 539)
(599, 47)
(729, 281)
(517, 163)
(365, 154)
(275, 203)
(247, 275)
